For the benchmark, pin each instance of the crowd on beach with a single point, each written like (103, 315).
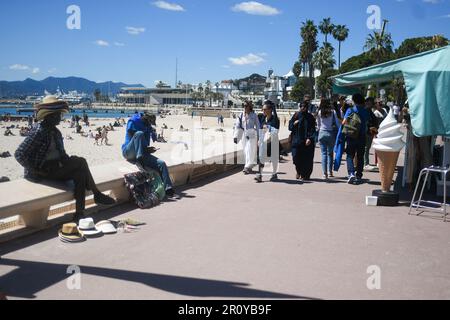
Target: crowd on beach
(100, 136)
(342, 125)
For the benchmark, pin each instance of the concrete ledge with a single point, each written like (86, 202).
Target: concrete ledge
(32, 201)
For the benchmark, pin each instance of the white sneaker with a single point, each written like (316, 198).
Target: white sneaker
(351, 179)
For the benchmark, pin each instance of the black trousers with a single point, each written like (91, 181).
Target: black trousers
(355, 148)
(304, 159)
(76, 169)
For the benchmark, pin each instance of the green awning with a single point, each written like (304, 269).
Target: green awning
(427, 80)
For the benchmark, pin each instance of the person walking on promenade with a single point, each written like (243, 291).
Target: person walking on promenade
(247, 129)
(372, 130)
(43, 156)
(328, 124)
(137, 150)
(303, 128)
(343, 107)
(380, 112)
(355, 129)
(396, 110)
(269, 141)
(313, 109)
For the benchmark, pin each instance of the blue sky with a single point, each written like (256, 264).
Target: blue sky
(137, 41)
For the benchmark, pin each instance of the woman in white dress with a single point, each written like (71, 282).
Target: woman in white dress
(247, 129)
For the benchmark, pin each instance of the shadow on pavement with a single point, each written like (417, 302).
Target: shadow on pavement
(110, 213)
(32, 277)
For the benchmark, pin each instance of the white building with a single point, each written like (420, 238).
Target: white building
(277, 86)
(156, 96)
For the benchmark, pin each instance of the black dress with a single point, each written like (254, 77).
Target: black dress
(302, 154)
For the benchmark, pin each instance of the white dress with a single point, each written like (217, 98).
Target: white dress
(249, 127)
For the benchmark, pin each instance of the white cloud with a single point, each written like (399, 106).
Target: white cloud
(432, 1)
(249, 59)
(119, 44)
(102, 43)
(135, 31)
(168, 6)
(19, 67)
(256, 8)
(22, 67)
(52, 70)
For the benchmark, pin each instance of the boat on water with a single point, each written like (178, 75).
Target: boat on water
(71, 97)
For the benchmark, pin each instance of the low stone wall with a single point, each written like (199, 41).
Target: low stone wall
(40, 206)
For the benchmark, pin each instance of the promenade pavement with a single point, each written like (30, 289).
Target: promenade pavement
(228, 237)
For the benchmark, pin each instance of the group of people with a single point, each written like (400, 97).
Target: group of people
(259, 136)
(326, 124)
(43, 156)
(23, 130)
(102, 136)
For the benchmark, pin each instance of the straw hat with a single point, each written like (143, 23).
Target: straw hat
(51, 102)
(50, 105)
(70, 233)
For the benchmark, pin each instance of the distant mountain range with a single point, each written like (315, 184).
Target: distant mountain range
(31, 87)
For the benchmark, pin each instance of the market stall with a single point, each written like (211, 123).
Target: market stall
(427, 83)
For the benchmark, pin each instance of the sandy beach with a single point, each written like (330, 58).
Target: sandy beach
(180, 145)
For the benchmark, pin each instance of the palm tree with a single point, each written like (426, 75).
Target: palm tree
(326, 27)
(303, 56)
(323, 59)
(297, 69)
(309, 33)
(208, 92)
(340, 33)
(200, 91)
(379, 45)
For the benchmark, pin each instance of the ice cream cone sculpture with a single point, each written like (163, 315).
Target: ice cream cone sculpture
(388, 145)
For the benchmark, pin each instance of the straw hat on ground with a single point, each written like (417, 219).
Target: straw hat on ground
(70, 233)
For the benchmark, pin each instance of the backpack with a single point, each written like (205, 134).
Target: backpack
(352, 126)
(146, 188)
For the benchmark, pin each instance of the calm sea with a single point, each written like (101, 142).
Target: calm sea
(92, 113)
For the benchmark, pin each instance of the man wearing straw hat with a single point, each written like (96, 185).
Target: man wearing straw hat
(43, 156)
